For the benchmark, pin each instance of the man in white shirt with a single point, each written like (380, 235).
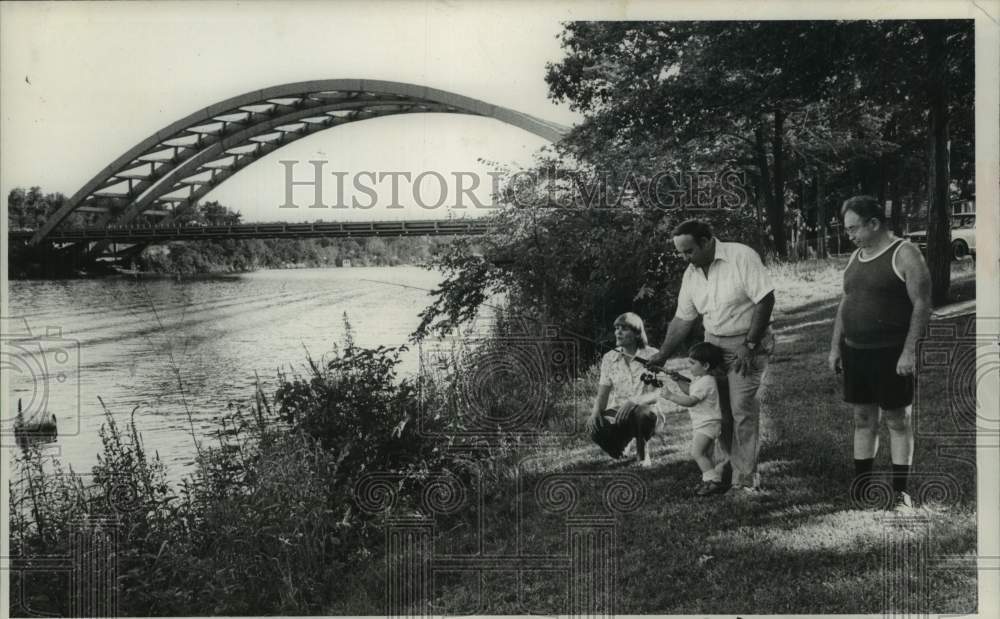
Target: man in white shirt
(726, 284)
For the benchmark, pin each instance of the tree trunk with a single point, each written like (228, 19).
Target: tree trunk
(758, 196)
(892, 168)
(881, 194)
(803, 228)
(938, 207)
(775, 226)
(777, 213)
(913, 203)
(820, 219)
(896, 196)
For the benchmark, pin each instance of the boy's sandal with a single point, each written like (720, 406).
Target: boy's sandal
(708, 487)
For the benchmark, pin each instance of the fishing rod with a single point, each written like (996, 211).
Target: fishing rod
(677, 376)
(650, 379)
(499, 309)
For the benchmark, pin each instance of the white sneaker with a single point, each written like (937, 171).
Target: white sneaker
(629, 450)
(902, 503)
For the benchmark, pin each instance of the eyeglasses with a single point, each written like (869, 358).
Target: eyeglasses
(853, 229)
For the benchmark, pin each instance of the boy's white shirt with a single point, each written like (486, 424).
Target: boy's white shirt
(707, 408)
(671, 385)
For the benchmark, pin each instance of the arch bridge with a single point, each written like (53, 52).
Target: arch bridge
(161, 233)
(182, 162)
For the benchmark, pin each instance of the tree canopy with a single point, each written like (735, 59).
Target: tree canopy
(842, 104)
(809, 113)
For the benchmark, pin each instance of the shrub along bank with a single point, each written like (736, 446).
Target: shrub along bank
(283, 512)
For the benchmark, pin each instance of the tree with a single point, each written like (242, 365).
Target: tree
(28, 210)
(845, 105)
(683, 85)
(778, 101)
(216, 214)
(576, 266)
(925, 70)
(939, 177)
(186, 214)
(16, 213)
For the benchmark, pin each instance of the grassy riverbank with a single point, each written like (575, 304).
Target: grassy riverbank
(799, 547)
(287, 510)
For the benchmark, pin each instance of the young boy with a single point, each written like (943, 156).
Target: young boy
(702, 402)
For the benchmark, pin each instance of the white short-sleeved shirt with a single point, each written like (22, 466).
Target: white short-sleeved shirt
(706, 411)
(624, 376)
(725, 299)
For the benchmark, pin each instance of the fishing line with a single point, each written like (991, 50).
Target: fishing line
(671, 373)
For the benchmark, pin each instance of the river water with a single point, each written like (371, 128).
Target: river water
(181, 351)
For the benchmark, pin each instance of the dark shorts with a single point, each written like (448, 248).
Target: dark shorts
(613, 437)
(870, 377)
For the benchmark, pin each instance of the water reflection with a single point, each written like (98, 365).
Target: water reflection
(180, 352)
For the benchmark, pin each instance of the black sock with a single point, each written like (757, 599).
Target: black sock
(900, 475)
(862, 477)
(862, 467)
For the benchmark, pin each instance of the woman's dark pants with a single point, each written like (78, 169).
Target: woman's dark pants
(613, 437)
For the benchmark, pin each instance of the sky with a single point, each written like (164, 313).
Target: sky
(81, 83)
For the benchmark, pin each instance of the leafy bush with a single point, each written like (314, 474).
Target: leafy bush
(572, 266)
(267, 523)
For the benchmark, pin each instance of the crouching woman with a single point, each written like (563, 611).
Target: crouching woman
(627, 400)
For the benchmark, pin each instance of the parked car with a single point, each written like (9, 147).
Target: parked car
(963, 236)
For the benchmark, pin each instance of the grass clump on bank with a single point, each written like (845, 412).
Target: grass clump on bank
(283, 513)
(271, 521)
(801, 546)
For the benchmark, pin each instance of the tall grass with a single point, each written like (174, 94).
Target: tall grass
(802, 284)
(268, 521)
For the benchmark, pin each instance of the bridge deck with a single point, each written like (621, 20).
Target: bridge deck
(261, 231)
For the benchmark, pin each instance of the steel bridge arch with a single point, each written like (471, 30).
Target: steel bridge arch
(201, 151)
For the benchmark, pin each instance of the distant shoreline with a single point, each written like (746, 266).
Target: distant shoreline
(209, 275)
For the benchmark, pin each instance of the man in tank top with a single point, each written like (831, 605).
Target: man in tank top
(885, 308)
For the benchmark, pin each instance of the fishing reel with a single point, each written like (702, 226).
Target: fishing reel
(648, 378)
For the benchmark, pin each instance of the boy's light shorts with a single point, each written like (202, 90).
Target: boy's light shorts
(711, 429)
